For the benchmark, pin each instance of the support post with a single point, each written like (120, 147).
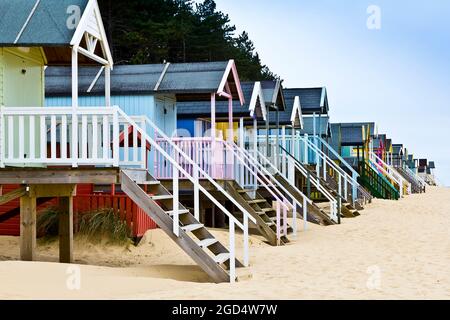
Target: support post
(242, 146)
(108, 85)
(27, 228)
(196, 194)
(305, 214)
(66, 230)
(255, 152)
(74, 154)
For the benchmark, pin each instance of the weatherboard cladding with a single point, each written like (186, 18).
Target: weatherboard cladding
(141, 79)
(47, 26)
(195, 109)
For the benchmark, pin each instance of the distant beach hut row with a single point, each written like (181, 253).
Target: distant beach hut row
(178, 146)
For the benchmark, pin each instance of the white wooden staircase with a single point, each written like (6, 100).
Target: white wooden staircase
(193, 238)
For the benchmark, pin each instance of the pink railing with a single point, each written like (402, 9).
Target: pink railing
(210, 155)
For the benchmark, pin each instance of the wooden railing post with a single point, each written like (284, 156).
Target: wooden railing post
(196, 194)
(115, 142)
(305, 214)
(176, 205)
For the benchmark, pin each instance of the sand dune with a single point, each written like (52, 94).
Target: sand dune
(394, 250)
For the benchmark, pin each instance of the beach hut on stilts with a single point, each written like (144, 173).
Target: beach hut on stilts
(250, 179)
(49, 150)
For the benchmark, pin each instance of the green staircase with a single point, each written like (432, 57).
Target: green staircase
(376, 183)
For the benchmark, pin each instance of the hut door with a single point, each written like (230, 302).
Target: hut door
(166, 115)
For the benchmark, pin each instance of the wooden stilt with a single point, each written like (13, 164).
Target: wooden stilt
(27, 228)
(66, 230)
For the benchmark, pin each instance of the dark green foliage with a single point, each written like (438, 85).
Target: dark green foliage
(154, 31)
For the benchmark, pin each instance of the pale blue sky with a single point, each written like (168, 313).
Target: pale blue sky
(398, 76)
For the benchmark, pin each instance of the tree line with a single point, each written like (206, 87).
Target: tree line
(154, 31)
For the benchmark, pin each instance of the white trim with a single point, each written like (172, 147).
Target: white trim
(95, 79)
(322, 97)
(231, 67)
(27, 21)
(257, 93)
(297, 111)
(81, 30)
(94, 57)
(161, 77)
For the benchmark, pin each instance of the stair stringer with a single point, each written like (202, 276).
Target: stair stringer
(165, 222)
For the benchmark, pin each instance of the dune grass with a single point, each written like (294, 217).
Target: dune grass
(103, 225)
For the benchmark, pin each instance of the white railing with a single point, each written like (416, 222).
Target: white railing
(391, 173)
(178, 170)
(277, 152)
(58, 136)
(262, 161)
(415, 176)
(221, 160)
(103, 136)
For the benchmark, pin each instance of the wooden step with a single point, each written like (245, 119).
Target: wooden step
(256, 201)
(268, 209)
(246, 190)
(181, 211)
(192, 227)
(206, 242)
(162, 197)
(221, 258)
(261, 213)
(149, 183)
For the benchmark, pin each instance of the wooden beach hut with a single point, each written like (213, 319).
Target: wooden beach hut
(49, 150)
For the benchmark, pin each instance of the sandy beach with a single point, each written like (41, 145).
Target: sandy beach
(394, 250)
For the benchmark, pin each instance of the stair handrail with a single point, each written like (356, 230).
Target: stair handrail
(266, 172)
(352, 178)
(416, 176)
(232, 220)
(379, 176)
(337, 155)
(391, 172)
(347, 178)
(279, 197)
(318, 185)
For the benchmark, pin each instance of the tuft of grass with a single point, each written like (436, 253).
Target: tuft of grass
(104, 224)
(47, 222)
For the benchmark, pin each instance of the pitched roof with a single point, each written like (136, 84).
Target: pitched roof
(313, 100)
(397, 148)
(177, 78)
(37, 23)
(193, 109)
(273, 95)
(351, 133)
